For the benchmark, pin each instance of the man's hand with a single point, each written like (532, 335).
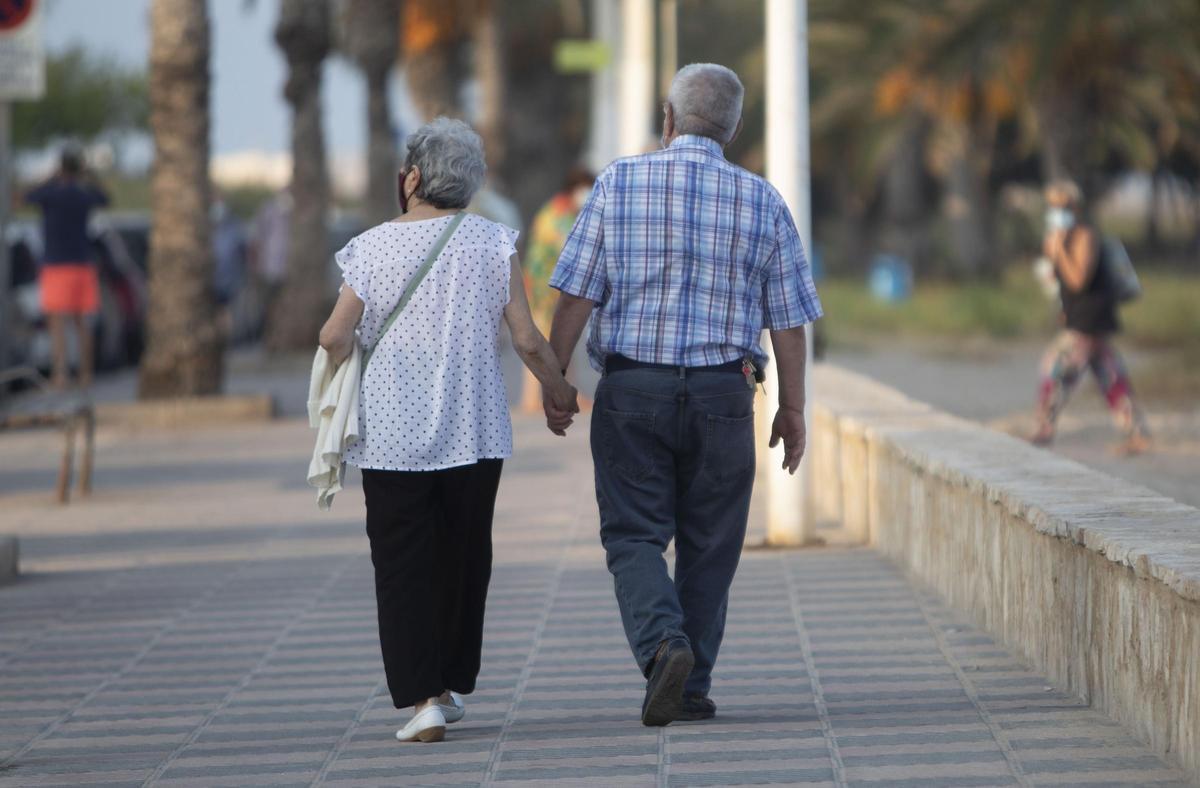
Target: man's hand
(789, 426)
(560, 408)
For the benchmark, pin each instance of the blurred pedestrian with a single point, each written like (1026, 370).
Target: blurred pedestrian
(229, 261)
(551, 226)
(684, 259)
(1089, 298)
(269, 251)
(68, 279)
(434, 424)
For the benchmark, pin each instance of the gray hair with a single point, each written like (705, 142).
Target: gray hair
(449, 155)
(707, 100)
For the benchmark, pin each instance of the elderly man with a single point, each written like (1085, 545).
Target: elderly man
(683, 258)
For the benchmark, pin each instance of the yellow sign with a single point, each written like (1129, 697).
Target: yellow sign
(581, 55)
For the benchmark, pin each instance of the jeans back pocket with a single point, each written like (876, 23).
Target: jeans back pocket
(729, 448)
(628, 441)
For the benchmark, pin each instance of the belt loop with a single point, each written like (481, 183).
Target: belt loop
(682, 373)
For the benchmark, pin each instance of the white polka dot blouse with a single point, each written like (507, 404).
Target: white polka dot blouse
(433, 394)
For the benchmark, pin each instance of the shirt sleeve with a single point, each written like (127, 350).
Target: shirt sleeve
(789, 295)
(355, 273)
(508, 241)
(581, 269)
(37, 195)
(508, 248)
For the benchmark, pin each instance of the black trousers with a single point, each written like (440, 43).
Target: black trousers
(431, 544)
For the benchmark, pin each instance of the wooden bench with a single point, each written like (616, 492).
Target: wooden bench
(46, 407)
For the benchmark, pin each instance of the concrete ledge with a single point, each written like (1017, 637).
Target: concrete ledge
(8, 559)
(1094, 579)
(186, 411)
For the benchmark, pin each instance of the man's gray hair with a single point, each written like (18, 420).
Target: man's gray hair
(449, 155)
(707, 100)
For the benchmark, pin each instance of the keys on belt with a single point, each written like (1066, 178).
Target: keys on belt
(752, 374)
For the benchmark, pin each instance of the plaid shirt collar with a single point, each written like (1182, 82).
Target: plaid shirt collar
(696, 142)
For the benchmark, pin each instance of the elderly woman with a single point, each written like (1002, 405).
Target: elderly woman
(434, 415)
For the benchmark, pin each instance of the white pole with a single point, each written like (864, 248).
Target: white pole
(635, 121)
(790, 512)
(602, 143)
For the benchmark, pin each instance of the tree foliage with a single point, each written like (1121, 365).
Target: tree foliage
(87, 98)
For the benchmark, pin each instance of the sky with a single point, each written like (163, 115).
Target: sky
(249, 114)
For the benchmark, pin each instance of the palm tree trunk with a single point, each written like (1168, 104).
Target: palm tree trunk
(1064, 141)
(304, 35)
(1152, 240)
(372, 40)
(489, 75)
(381, 157)
(904, 203)
(184, 352)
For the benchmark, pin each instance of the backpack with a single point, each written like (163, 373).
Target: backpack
(1121, 275)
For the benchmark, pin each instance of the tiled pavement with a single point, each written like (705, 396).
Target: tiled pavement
(199, 623)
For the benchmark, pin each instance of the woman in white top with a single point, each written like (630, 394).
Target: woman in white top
(434, 415)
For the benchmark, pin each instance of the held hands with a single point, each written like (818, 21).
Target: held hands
(560, 402)
(789, 426)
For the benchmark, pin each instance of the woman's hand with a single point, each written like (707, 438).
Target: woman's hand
(560, 404)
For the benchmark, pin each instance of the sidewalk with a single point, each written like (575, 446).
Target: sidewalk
(199, 622)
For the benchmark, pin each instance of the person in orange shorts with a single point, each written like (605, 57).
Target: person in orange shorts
(68, 280)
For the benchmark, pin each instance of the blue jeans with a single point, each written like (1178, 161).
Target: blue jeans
(674, 459)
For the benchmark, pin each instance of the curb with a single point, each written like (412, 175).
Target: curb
(187, 411)
(8, 559)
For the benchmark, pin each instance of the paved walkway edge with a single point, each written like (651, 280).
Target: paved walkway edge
(1096, 581)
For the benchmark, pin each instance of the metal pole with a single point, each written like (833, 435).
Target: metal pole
(602, 142)
(6, 316)
(791, 516)
(636, 85)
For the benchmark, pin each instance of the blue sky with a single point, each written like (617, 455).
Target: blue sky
(249, 112)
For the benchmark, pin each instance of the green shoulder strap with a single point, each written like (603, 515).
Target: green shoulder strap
(415, 282)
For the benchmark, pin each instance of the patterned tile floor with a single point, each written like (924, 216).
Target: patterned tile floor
(199, 623)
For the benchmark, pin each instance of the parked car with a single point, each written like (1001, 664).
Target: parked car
(119, 327)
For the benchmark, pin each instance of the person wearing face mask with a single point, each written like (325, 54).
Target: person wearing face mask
(1089, 318)
(424, 296)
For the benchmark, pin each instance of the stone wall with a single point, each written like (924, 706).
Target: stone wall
(1096, 581)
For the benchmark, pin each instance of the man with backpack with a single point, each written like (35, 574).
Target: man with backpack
(1092, 282)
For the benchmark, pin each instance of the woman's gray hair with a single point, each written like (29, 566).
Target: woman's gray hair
(449, 155)
(707, 100)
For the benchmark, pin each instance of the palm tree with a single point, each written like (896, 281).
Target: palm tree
(371, 33)
(184, 352)
(304, 33)
(437, 52)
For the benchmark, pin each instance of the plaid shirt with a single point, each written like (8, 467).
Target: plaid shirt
(688, 258)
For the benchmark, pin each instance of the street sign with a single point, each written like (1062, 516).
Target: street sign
(22, 59)
(581, 56)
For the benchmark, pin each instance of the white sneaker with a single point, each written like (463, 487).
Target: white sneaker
(426, 725)
(455, 710)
